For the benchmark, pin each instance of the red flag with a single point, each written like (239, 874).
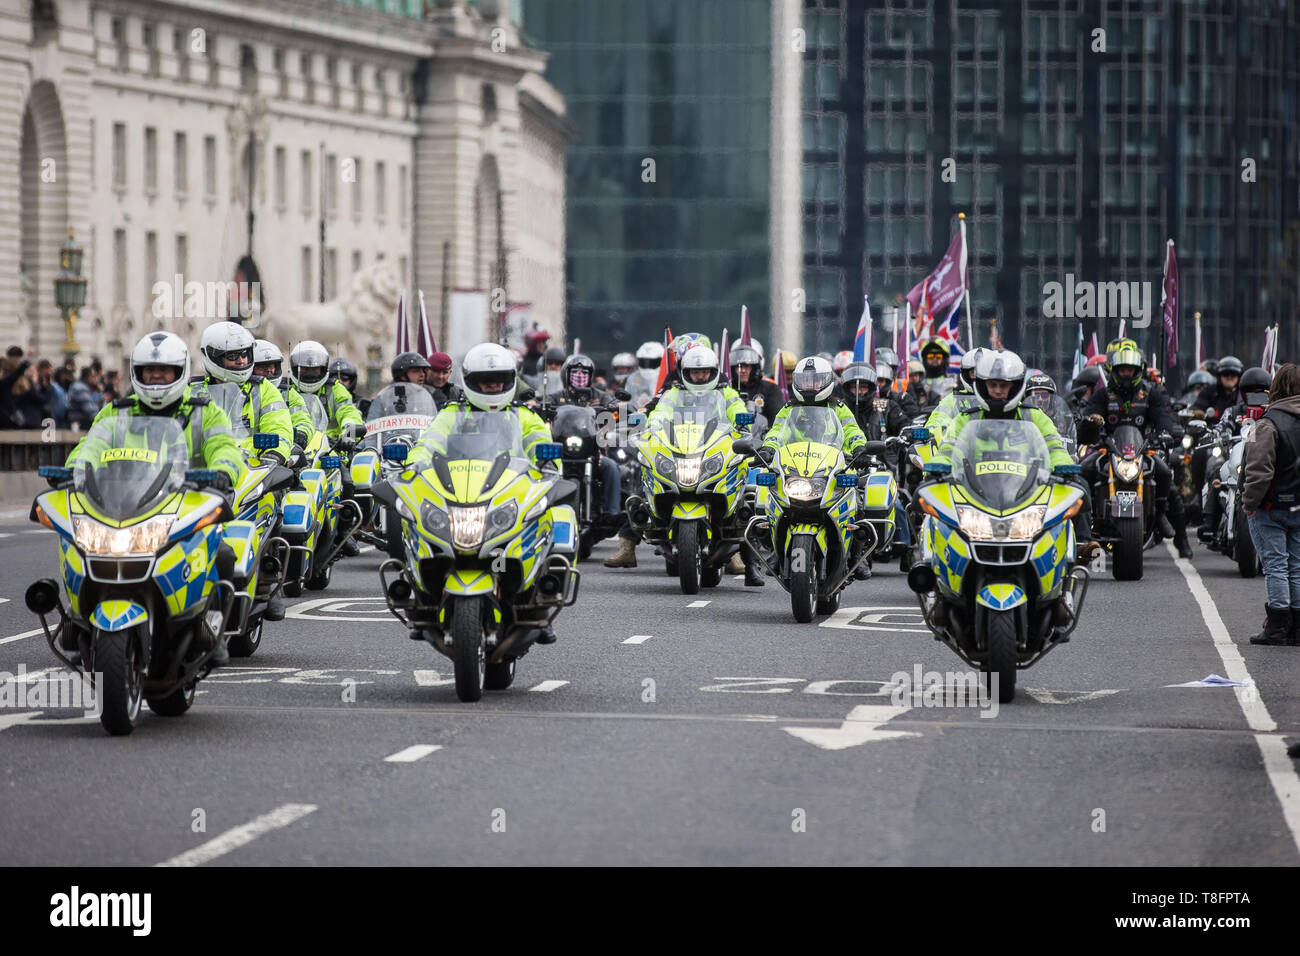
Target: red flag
(665, 363)
(403, 333)
(424, 336)
(1092, 351)
(1169, 305)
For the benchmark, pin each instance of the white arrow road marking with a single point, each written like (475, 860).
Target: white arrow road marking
(19, 637)
(638, 639)
(14, 720)
(698, 604)
(327, 606)
(431, 679)
(4, 600)
(1066, 696)
(549, 685)
(241, 835)
(878, 618)
(412, 754)
(7, 534)
(28, 677)
(859, 727)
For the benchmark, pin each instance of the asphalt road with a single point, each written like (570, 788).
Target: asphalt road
(663, 730)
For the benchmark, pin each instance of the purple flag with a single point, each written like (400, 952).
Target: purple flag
(425, 344)
(943, 288)
(1169, 305)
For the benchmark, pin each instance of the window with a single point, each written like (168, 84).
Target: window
(214, 74)
(210, 167)
(280, 200)
(150, 263)
(401, 194)
(150, 160)
(381, 192)
(304, 187)
(91, 171)
(331, 273)
(119, 40)
(119, 266)
(331, 174)
(277, 61)
(356, 261)
(309, 81)
(182, 58)
(402, 265)
(181, 161)
(150, 39)
(247, 68)
(182, 253)
(308, 295)
(356, 191)
(119, 155)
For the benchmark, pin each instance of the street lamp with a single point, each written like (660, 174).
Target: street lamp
(70, 291)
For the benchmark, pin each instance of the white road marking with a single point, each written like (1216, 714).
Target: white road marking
(698, 604)
(890, 620)
(28, 677)
(1281, 770)
(860, 726)
(431, 679)
(4, 600)
(638, 639)
(549, 685)
(7, 534)
(1066, 696)
(412, 754)
(19, 637)
(39, 531)
(241, 835)
(13, 720)
(325, 608)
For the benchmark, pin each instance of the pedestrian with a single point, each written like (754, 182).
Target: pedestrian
(37, 404)
(1271, 499)
(84, 399)
(14, 384)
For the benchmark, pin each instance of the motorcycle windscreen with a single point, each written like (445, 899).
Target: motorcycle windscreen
(127, 465)
(574, 421)
(1055, 408)
(320, 419)
(1000, 463)
(697, 417)
(230, 399)
(809, 440)
(399, 414)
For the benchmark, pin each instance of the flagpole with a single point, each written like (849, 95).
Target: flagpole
(1197, 317)
(970, 327)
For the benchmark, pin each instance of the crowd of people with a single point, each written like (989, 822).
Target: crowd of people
(35, 393)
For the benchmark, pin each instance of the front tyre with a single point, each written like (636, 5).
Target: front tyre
(174, 704)
(688, 556)
(243, 645)
(803, 584)
(469, 650)
(829, 605)
(1128, 549)
(121, 688)
(1001, 654)
(499, 676)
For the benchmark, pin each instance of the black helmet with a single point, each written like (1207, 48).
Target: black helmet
(405, 362)
(554, 356)
(1229, 365)
(860, 372)
(1254, 386)
(1090, 377)
(1040, 382)
(1200, 378)
(345, 372)
(577, 366)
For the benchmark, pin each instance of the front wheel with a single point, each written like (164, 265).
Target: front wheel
(1247, 559)
(174, 704)
(245, 644)
(830, 604)
(121, 680)
(803, 584)
(469, 651)
(688, 556)
(1128, 549)
(499, 676)
(393, 534)
(1002, 654)
(321, 579)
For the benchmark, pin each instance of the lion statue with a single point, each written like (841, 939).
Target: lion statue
(365, 314)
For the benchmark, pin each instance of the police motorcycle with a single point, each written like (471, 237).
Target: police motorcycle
(261, 555)
(487, 542)
(397, 415)
(694, 503)
(140, 538)
(813, 534)
(996, 581)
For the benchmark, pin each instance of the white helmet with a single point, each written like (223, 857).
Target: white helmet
(700, 357)
(650, 354)
(486, 364)
(842, 361)
(1000, 366)
(160, 348)
(307, 356)
(266, 353)
(813, 380)
(223, 340)
(969, 360)
(623, 360)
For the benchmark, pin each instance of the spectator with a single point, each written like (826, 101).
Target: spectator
(112, 391)
(1271, 500)
(14, 384)
(55, 380)
(84, 399)
(535, 343)
(37, 405)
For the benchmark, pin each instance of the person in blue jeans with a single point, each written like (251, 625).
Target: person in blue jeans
(1271, 499)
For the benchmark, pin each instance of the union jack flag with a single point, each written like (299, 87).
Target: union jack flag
(948, 329)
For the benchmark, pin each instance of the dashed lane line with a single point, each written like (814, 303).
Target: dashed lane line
(413, 753)
(278, 818)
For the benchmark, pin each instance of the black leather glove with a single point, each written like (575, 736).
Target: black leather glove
(301, 437)
(765, 453)
(223, 483)
(272, 456)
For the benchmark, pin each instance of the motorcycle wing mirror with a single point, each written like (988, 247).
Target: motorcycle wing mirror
(280, 477)
(266, 440)
(396, 452)
(383, 493)
(622, 396)
(743, 446)
(744, 419)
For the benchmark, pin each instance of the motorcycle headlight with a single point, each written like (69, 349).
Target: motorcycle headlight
(804, 489)
(1028, 523)
(468, 526)
(712, 465)
(1187, 441)
(665, 466)
(573, 444)
(502, 518)
(404, 510)
(1217, 453)
(688, 471)
(432, 518)
(147, 537)
(1128, 470)
(975, 524)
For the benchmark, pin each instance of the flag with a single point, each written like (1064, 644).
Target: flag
(995, 340)
(949, 329)
(1080, 359)
(1093, 349)
(424, 336)
(577, 346)
(1269, 360)
(403, 333)
(1123, 325)
(745, 337)
(943, 288)
(665, 363)
(782, 378)
(864, 342)
(1201, 357)
(1169, 306)
(724, 355)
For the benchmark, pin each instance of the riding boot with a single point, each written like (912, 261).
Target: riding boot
(753, 570)
(1278, 627)
(626, 557)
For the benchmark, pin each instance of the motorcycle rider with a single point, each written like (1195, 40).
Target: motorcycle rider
(268, 362)
(1084, 385)
(577, 375)
(938, 381)
(1253, 385)
(999, 385)
(747, 379)
(916, 385)
(623, 365)
(160, 371)
(960, 400)
(1127, 399)
(226, 350)
(535, 346)
(861, 385)
(641, 383)
(438, 380)
(1210, 405)
(906, 400)
(699, 372)
(410, 367)
(1196, 383)
(342, 370)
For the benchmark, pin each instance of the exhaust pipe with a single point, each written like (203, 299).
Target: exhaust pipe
(42, 596)
(921, 579)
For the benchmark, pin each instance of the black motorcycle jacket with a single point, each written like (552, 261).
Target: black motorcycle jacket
(1146, 407)
(765, 395)
(1214, 400)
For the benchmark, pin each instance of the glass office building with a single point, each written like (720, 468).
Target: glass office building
(668, 182)
(1068, 160)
